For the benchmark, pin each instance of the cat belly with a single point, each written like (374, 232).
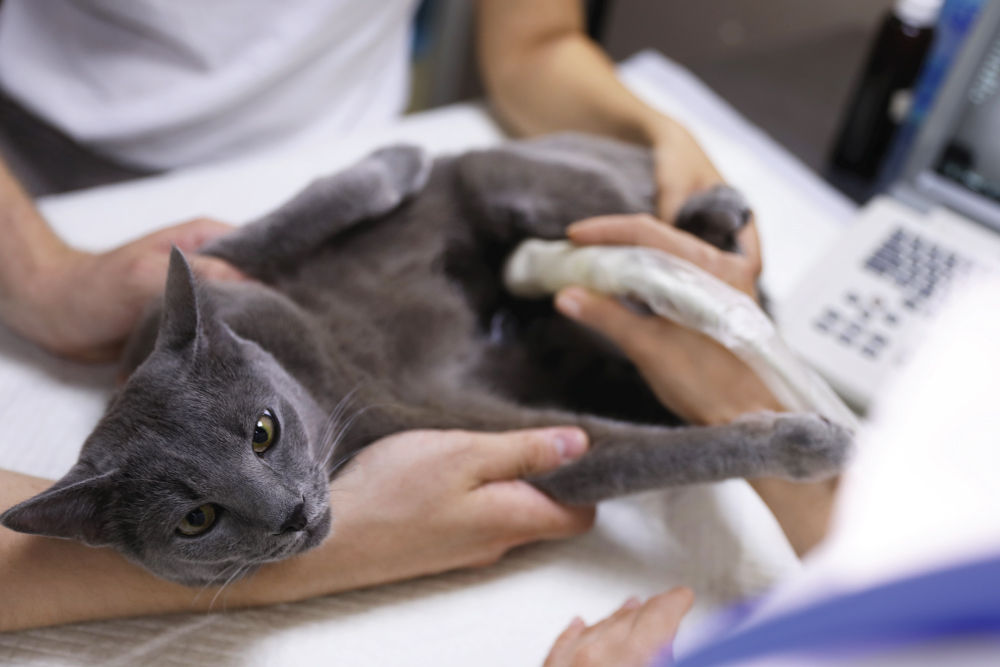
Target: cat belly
(537, 358)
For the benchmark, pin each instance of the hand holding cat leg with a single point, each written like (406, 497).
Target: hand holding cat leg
(83, 305)
(422, 502)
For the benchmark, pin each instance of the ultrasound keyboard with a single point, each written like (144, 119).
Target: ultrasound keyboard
(863, 310)
(918, 272)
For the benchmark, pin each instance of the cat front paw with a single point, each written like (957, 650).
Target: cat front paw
(715, 216)
(803, 446)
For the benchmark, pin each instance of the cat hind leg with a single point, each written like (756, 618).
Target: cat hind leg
(626, 458)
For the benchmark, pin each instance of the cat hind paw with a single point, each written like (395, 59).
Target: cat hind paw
(715, 216)
(804, 446)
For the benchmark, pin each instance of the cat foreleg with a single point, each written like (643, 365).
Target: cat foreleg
(369, 189)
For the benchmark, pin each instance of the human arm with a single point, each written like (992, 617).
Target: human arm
(389, 524)
(544, 74)
(689, 372)
(78, 304)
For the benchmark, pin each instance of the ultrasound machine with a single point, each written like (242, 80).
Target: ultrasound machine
(860, 311)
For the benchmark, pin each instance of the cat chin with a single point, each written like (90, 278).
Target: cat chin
(314, 534)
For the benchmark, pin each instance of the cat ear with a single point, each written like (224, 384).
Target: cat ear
(70, 509)
(179, 326)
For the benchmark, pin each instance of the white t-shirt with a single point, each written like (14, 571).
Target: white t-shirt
(167, 83)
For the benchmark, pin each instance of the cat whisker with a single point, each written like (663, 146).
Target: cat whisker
(345, 428)
(346, 404)
(341, 433)
(330, 423)
(333, 440)
(329, 427)
(212, 581)
(240, 569)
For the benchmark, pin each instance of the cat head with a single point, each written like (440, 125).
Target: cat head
(203, 466)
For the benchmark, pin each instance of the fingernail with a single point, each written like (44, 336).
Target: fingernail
(572, 443)
(577, 622)
(632, 603)
(568, 301)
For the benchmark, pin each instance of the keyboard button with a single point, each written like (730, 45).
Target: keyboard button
(850, 334)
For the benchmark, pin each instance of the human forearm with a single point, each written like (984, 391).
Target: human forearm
(29, 245)
(544, 74)
(45, 581)
(802, 509)
(79, 304)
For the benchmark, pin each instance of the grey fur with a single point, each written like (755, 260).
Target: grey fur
(715, 215)
(380, 309)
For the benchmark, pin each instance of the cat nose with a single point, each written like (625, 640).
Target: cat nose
(296, 521)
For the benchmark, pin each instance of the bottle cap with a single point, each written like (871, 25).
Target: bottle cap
(918, 13)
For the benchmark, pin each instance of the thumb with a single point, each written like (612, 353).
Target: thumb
(517, 509)
(515, 454)
(606, 316)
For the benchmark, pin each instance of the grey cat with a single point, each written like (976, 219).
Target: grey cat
(379, 308)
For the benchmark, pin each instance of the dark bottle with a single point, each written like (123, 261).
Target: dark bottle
(881, 97)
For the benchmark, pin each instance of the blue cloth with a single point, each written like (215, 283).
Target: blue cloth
(960, 601)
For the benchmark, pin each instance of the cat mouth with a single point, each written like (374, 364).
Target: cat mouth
(316, 531)
(311, 536)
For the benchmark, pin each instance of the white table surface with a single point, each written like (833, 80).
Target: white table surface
(719, 538)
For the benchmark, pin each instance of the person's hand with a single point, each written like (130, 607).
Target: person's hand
(632, 636)
(690, 373)
(739, 270)
(82, 305)
(682, 168)
(423, 502)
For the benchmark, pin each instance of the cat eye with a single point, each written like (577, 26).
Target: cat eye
(265, 432)
(197, 521)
